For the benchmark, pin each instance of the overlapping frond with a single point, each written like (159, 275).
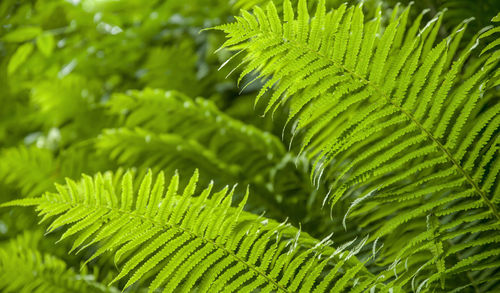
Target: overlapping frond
(31, 169)
(458, 10)
(404, 133)
(76, 95)
(185, 127)
(167, 152)
(25, 269)
(166, 130)
(493, 48)
(177, 240)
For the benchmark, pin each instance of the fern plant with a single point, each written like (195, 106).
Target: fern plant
(178, 240)
(375, 168)
(226, 143)
(25, 269)
(36, 160)
(392, 122)
(167, 130)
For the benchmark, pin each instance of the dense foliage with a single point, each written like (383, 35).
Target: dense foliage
(249, 146)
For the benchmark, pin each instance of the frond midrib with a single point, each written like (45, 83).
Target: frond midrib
(182, 230)
(447, 154)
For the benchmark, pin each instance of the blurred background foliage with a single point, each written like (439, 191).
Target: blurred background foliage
(95, 85)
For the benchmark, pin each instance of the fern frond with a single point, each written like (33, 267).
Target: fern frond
(462, 9)
(179, 240)
(170, 111)
(384, 110)
(31, 169)
(26, 269)
(166, 130)
(493, 48)
(76, 95)
(166, 152)
(199, 121)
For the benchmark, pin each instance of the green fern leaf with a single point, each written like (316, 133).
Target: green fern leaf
(166, 130)
(195, 126)
(25, 269)
(33, 169)
(380, 113)
(177, 239)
